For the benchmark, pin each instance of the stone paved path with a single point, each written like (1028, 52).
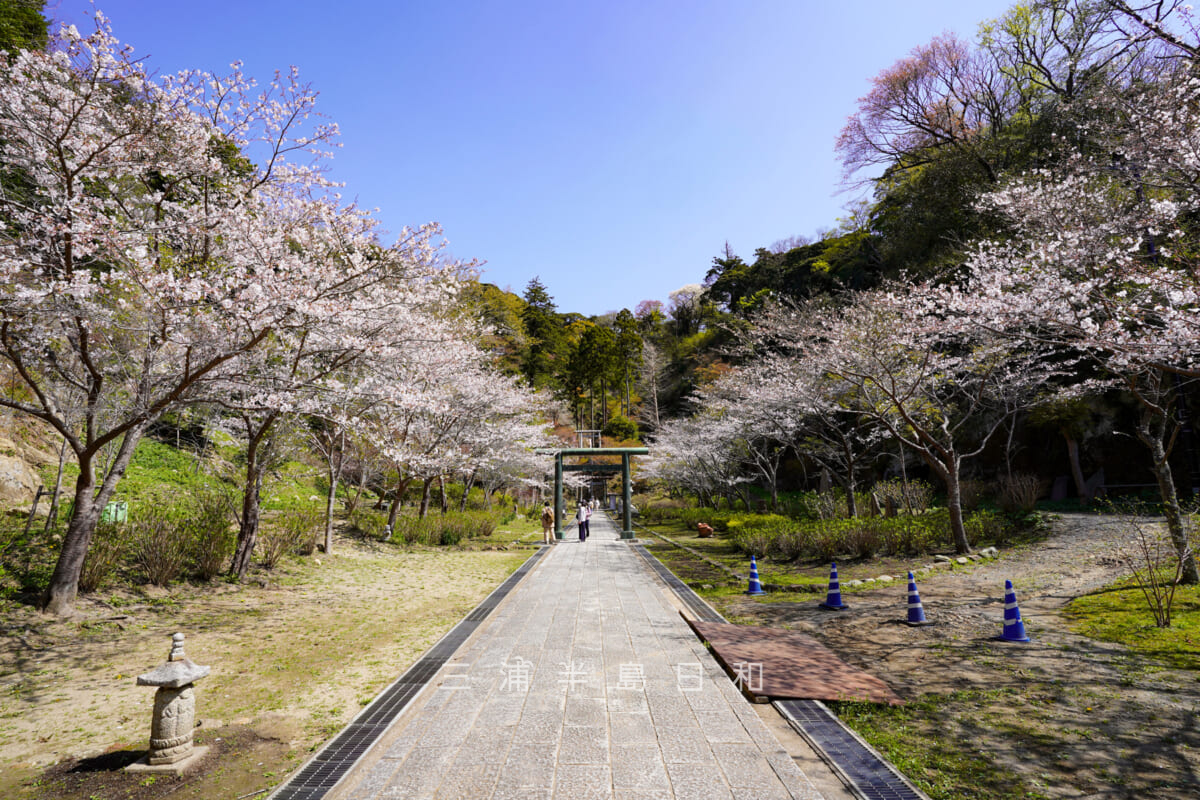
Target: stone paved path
(585, 683)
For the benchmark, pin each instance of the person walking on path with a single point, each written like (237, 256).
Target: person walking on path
(547, 524)
(581, 517)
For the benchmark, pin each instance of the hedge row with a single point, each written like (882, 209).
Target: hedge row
(864, 537)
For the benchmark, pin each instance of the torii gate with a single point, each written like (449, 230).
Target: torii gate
(626, 453)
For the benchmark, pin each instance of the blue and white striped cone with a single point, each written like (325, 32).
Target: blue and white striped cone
(1014, 628)
(755, 586)
(916, 612)
(833, 599)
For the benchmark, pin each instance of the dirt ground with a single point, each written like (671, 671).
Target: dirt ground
(294, 655)
(1073, 716)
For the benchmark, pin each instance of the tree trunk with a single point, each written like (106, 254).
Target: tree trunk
(851, 501)
(251, 505)
(442, 491)
(1152, 429)
(1076, 467)
(603, 402)
(904, 479)
(394, 509)
(1008, 446)
(958, 530)
(949, 473)
(359, 487)
(462, 507)
(248, 524)
(335, 475)
(63, 588)
(425, 491)
(59, 598)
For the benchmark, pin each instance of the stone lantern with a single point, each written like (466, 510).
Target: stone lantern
(174, 717)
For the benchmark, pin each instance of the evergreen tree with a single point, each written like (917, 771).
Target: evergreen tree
(22, 26)
(544, 332)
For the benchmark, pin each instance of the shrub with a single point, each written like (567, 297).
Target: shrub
(987, 526)
(106, 552)
(451, 531)
(759, 522)
(914, 495)
(445, 529)
(302, 525)
(824, 540)
(862, 538)
(830, 504)
(485, 525)
(791, 545)
(1019, 493)
(971, 494)
(272, 543)
(26, 560)
(292, 531)
(368, 522)
(754, 543)
(824, 543)
(159, 544)
(212, 538)
(656, 511)
(915, 534)
(410, 530)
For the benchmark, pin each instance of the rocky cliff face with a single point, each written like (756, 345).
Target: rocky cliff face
(21, 454)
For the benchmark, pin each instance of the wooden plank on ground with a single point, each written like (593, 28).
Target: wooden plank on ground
(786, 664)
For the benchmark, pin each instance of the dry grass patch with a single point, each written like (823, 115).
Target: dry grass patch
(293, 658)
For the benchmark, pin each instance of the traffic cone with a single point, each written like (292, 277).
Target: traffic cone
(916, 612)
(1014, 628)
(833, 599)
(755, 586)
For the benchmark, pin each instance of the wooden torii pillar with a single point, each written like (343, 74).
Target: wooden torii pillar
(626, 454)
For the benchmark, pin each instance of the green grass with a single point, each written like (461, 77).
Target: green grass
(1119, 613)
(155, 470)
(943, 765)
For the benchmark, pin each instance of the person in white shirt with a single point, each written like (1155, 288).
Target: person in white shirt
(581, 516)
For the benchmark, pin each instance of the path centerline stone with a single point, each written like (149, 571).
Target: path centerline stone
(584, 683)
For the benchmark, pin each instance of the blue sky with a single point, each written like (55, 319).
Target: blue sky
(610, 148)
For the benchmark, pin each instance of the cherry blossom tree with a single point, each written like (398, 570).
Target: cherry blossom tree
(793, 400)
(697, 454)
(500, 447)
(1102, 259)
(437, 407)
(1171, 22)
(144, 254)
(765, 422)
(933, 383)
(391, 296)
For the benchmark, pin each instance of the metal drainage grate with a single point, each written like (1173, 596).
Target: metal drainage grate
(854, 760)
(314, 780)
